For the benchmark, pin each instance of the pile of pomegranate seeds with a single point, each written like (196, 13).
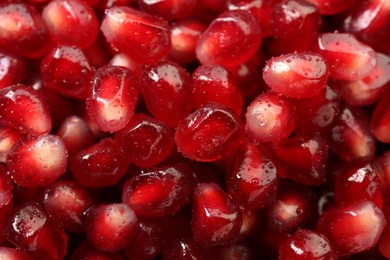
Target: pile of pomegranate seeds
(194, 129)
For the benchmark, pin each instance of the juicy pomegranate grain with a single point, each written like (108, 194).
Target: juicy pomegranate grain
(13, 254)
(168, 9)
(12, 69)
(37, 160)
(111, 102)
(8, 138)
(380, 120)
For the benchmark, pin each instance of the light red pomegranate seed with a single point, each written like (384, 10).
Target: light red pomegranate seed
(353, 227)
(208, 133)
(168, 9)
(13, 254)
(215, 219)
(144, 37)
(111, 102)
(25, 110)
(110, 227)
(37, 160)
(270, 117)
(241, 36)
(159, 192)
(87, 251)
(63, 16)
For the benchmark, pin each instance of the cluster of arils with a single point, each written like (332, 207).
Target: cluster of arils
(194, 129)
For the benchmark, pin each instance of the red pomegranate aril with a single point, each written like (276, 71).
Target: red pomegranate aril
(143, 37)
(63, 16)
(332, 7)
(184, 37)
(25, 110)
(359, 181)
(380, 119)
(298, 75)
(8, 137)
(214, 83)
(6, 195)
(167, 91)
(253, 179)
(237, 251)
(30, 229)
(86, 251)
(295, 206)
(145, 141)
(249, 222)
(112, 99)
(384, 164)
(65, 202)
(76, 134)
(348, 58)
(215, 219)
(306, 244)
(37, 160)
(270, 118)
(210, 132)
(317, 113)
(168, 9)
(307, 166)
(353, 227)
(159, 192)
(350, 136)
(23, 30)
(66, 69)
(98, 165)
(12, 69)
(13, 254)
(122, 60)
(110, 227)
(231, 39)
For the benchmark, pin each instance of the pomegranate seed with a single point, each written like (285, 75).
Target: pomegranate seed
(209, 133)
(253, 180)
(249, 223)
(379, 120)
(384, 244)
(30, 229)
(215, 219)
(331, 7)
(8, 138)
(168, 9)
(23, 30)
(159, 192)
(166, 88)
(353, 227)
(145, 141)
(25, 110)
(350, 135)
(143, 37)
(307, 166)
(184, 37)
(270, 117)
(98, 165)
(6, 201)
(306, 244)
(110, 227)
(349, 58)
(87, 251)
(67, 70)
(122, 60)
(384, 164)
(12, 69)
(63, 16)
(13, 254)
(240, 34)
(298, 75)
(237, 251)
(112, 100)
(214, 83)
(65, 201)
(37, 160)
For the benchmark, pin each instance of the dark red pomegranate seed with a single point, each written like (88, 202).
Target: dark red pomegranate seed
(238, 251)
(30, 229)
(25, 110)
(331, 7)
(145, 141)
(168, 9)
(13, 254)
(215, 219)
(167, 91)
(110, 227)
(63, 16)
(12, 69)
(384, 244)
(112, 99)
(6, 201)
(253, 179)
(214, 83)
(98, 165)
(384, 164)
(86, 251)
(209, 133)
(159, 192)
(380, 119)
(8, 137)
(66, 69)
(184, 248)
(306, 244)
(144, 37)
(240, 34)
(353, 227)
(37, 160)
